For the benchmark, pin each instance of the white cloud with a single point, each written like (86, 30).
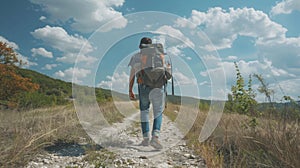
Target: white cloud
(69, 45)
(184, 22)
(182, 79)
(43, 18)
(117, 82)
(67, 75)
(278, 54)
(278, 79)
(173, 40)
(173, 50)
(59, 39)
(247, 68)
(285, 7)
(42, 52)
(189, 58)
(211, 60)
(231, 57)
(83, 16)
(284, 54)
(204, 83)
(60, 74)
(290, 87)
(72, 57)
(50, 66)
(223, 27)
(174, 37)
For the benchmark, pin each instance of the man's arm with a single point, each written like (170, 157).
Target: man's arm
(131, 82)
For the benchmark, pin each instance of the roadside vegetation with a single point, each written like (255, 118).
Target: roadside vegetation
(251, 134)
(27, 133)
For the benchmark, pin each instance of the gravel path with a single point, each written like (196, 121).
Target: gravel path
(123, 139)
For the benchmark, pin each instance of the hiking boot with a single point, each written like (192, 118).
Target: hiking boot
(155, 143)
(145, 142)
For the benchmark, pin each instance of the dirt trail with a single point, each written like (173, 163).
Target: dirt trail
(124, 139)
(174, 154)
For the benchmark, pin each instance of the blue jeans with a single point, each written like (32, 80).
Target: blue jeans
(157, 97)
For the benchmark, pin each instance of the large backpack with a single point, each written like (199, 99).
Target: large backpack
(153, 70)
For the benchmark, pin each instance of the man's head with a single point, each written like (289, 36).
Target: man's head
(145, 40)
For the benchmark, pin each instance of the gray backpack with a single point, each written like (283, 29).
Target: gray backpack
(153, 70)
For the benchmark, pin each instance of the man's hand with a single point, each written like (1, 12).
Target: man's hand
(131, 95)
(168, 71)
(131, 82)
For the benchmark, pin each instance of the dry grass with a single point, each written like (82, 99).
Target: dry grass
(236, 142)
(240, 144)
(264, 145)
(25, 134)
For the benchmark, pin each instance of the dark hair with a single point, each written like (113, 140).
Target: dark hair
(145, 40)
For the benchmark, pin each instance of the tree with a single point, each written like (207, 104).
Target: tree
(8, 56)
(11, 83)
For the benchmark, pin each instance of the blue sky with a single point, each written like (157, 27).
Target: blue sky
(203, 38)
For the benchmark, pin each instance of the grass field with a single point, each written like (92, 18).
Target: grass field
(236, 142)
(242, 141)
(26, 133)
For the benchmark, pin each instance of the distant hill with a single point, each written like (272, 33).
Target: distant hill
(58, 92)
(48, 85)
(52, 91)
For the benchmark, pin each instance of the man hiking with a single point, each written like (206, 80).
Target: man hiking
(149, 90)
